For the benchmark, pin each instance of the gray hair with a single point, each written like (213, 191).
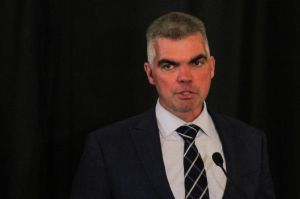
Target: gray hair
(174, 25)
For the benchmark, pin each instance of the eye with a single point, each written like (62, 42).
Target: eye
(167, 66)
(199, 62)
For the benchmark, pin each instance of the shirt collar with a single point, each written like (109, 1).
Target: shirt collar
(168, 122)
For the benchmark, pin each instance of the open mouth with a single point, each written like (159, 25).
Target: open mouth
(185, 94)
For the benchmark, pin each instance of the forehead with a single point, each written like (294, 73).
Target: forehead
(180, 49)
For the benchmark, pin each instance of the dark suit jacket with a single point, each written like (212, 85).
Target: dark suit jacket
(125, 161)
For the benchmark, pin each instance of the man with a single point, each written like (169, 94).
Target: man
(167, 151)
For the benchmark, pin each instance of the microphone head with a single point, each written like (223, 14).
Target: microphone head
(218, 159)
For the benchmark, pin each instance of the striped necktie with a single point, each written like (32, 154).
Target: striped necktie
(194, 172)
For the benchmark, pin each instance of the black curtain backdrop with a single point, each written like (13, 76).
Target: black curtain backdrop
(69, 67)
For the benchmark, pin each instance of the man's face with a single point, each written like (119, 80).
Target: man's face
(181, 73)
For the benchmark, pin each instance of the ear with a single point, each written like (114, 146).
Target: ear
(212, 63)
(149, 74)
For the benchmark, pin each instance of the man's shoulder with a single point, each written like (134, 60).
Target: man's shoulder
(232, 124)
(124, 126)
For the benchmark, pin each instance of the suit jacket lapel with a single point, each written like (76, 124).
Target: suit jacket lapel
(147, 142)
(230, 150)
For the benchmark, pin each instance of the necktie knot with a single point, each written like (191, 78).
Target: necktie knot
(188, 132)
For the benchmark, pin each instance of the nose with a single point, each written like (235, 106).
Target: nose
(184, 74)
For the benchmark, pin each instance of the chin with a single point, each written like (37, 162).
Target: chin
(183, 109)
(188, 107)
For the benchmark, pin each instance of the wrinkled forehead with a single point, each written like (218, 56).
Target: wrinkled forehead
(182, 50)
(155, 44)
(193, 42)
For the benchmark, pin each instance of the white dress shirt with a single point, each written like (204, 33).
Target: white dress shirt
(173, 147)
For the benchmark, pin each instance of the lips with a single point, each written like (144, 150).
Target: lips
(186, 94)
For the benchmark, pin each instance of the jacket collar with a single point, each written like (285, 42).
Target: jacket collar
(232, 142)
(147, 142)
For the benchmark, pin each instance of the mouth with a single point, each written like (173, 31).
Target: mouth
(185, 95)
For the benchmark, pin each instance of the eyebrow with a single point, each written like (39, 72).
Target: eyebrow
(167, 61)
(171, 62)
(201, 56)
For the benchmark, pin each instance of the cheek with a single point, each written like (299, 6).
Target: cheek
(203, 80)
(163, 84)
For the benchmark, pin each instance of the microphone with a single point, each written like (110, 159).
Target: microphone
(218, 160)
